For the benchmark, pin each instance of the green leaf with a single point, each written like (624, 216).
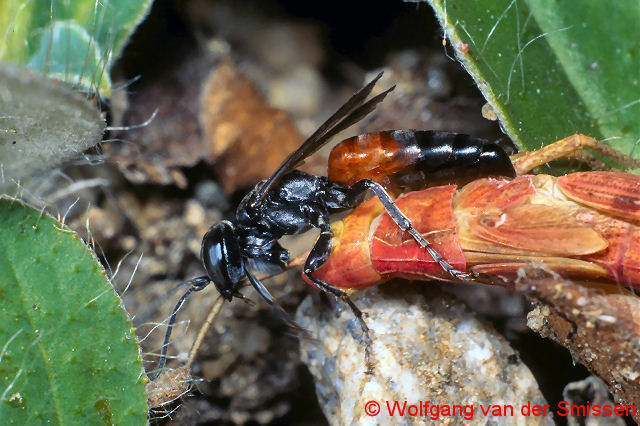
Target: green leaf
(68, 353)
(56, 58)
(74, 40)
(553, 68)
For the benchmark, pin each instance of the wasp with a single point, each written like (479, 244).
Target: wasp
(583, 225)
(291, 202)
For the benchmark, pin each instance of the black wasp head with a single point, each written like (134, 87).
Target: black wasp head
(222, 258)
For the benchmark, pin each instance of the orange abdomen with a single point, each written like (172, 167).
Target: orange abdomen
(406, 160)
(375, 156)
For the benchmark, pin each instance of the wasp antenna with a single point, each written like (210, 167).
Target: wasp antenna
(197, 284)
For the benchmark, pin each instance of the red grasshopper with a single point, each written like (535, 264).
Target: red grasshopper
(582, 225)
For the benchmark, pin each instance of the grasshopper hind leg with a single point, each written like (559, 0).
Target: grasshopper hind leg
(526, 161)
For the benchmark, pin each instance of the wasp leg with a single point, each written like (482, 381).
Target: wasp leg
(403, 222)
(197, 284)
(271, 301)
(319, 255)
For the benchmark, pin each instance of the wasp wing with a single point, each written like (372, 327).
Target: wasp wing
(350, 113)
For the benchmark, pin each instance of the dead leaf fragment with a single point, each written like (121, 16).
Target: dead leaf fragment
(169, 387)
(245, 137)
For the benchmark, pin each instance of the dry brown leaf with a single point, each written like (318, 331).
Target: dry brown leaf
(220, 118)
(245, 137)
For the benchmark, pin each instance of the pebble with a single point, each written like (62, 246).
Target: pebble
(427, 347)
